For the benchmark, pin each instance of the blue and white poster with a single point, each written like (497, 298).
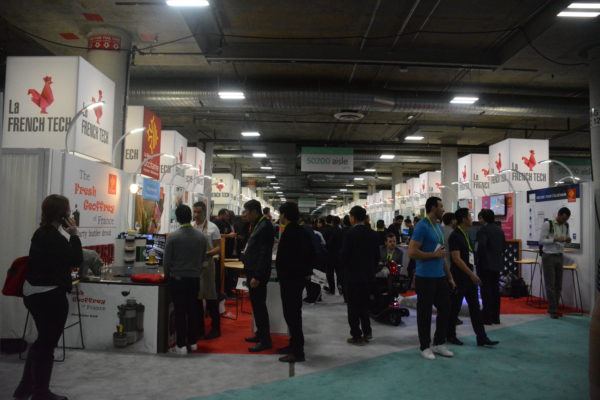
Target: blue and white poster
(543, 205)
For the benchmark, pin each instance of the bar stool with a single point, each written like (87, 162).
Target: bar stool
(533, 264)
(576, 290)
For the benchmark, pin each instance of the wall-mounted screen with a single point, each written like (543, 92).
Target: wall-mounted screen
(498, 205)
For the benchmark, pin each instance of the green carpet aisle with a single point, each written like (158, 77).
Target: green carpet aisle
(544, 359)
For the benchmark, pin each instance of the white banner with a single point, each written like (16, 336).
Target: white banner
(172, 142)
(521, 155)
(94, 192)
(431, 182)
(222, 188)
(195, 177)
(473, 170)
(99, 304)
(327, 159)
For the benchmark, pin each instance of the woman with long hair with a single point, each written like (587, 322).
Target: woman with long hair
(48, 280)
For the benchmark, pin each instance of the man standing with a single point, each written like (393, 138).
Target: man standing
(396, 227)
(295, 257)
(489, 260)
(208, 288)
(257, 267)
(185, 251)
(333, 240)
(463, 260)
(554, 235)
(433, 279)
(360, 256)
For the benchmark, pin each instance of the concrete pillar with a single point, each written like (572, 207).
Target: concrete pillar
(260, 192)
(372, 188)
(594, 56)
(208, 167)
(397, 177)
(114, 64)
(356, 195)
(449, 161)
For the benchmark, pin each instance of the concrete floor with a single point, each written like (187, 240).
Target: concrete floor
(102, 375)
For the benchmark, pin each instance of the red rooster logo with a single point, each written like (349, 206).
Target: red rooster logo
(437, 184)
(423, 187)
(486, 172)
(530, 162)
(181, 154)
(464, 173)
(98, 110)
(199, 168)
(499, 162)
(46, 98)
(220, 185)
(409, 190)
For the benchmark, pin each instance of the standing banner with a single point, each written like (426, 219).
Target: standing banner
(327, 159)
(43, 94)
(222, 189)
(141, 147)
(521, 155)
(473, 171)
(543, 205)
(172, 142)
(94, 191)
(195, 176)
(431, 182)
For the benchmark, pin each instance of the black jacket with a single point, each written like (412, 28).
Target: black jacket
(295, 253)
(360, 254)
(490, 248)
(52, 257)
(258, 256)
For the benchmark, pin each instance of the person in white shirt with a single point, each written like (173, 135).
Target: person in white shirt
(554, 235)
(208, 284)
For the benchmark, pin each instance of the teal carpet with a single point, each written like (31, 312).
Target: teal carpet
(544, 359)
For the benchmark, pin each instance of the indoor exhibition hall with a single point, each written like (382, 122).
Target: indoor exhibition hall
(358, 199)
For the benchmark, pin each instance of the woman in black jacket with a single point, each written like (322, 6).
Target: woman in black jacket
(48, 280)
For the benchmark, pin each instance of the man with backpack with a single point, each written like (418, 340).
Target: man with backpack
(554, 235)
(313, 290)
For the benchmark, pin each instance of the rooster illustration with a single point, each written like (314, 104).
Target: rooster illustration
(499, 162)
(486, 172)
(530, 162)
(437, 184)
(181, 154)
(423, 187)
(46, 98)
(98, 110)
(464, 173)
(220, 185)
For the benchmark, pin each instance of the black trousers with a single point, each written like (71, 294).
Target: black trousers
(258, 298)
(357, 295)
(468, 291)
(184, 293)
(291, 300)
(332, 270)
(49, 311)
(212, 306)
(432, 292)
(490, 295)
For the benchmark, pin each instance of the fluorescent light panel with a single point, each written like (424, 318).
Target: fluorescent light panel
(232, 95)
(414, 138)
(265, 167)
(359, 179)
(387, 156)
(271, 177)
(579, 14)
(370, 170)
(187, 3)
(585, 6)
(343, 190)
(259, 155)
(349, 185)
(251, 134)
(464, 100)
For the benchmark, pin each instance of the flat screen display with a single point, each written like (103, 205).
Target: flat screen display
(498, 205)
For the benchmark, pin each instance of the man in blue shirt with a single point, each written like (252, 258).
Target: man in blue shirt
(433, 279)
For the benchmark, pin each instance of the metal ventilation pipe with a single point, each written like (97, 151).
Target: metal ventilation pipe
(166, 94)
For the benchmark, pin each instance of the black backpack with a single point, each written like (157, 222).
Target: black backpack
(321, 253)
(551, 230)
(514, 286)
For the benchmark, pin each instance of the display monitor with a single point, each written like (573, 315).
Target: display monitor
(498, 205)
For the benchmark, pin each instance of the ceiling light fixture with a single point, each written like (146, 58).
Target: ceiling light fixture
(359, 179)
(349, 185)
(578, 14)
(387, 156)
(588, 6)
(251, 134)
(278, 192)
(276, 187)
(334, 197)
(187, 3)
(271, 177)
(266, 167)
(232, 95)
(259, 155)
(343, 190)
(464, 100)
(370, 170)
(414, 138)
(410, 117)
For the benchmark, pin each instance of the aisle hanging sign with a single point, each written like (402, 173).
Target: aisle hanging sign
(194, 177)
(521, 155)
(172, 142)
(307, 202)
(327, 159)
(94, 191)
(543, 205)
(222, 188)
(473, 171)
(141, 147)
(430, 182)
(43, 94)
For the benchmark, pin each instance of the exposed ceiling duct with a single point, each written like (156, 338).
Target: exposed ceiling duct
(167, 94)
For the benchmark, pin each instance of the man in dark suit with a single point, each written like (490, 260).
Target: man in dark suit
(360, 256)
(389, 252)
(396, 227)
(295, 257)
(490, 261)
(257, 267)
(333, 240)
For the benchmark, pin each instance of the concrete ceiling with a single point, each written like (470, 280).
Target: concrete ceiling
(489, 48)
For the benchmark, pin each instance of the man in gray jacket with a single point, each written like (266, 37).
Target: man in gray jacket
(554, 235)
(185, 251)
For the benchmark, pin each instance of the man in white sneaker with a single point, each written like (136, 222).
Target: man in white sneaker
(433, 279)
